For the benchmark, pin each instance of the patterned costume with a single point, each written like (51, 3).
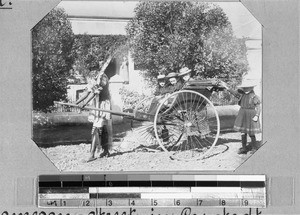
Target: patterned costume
(102, 95)
(98, 91)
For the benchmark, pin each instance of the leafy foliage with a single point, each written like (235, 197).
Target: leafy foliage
(93, 51)
(168, 35)
(223, 98)
(57, 52)
(130, 98)
(52, 41)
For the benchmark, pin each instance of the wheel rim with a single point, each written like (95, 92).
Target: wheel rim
(144, 130)
(186, 125)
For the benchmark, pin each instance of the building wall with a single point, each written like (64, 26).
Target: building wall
(74, 91)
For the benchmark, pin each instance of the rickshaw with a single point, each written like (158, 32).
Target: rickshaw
(185, 124)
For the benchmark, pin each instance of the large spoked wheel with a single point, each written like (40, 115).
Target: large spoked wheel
(144, 129)
(187, 125)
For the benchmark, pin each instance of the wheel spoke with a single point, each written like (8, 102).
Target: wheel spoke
(145, 131)
(190, 133)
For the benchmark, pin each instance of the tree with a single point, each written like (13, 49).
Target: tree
(168, 35)
(91, 51)
(52, 41)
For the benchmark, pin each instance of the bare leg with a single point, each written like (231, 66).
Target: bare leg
(104, 134)
(95, 141)
(99, 133)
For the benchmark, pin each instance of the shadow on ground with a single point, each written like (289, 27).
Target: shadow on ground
(73, 134)
(77, 134)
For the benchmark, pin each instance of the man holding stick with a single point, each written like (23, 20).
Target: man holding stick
(98, 91)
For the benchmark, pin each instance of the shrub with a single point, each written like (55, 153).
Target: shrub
(130, 98)
(223, 98)
(52, 41)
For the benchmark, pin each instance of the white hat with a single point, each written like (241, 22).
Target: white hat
(161, 77)
(184, 71)
(247, 83)
(172, 75)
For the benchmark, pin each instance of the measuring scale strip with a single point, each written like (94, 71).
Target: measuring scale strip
(152, 195)
(151, 190)
(184, 196)
(78, 203)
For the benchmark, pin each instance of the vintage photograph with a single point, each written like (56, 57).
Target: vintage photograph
(147, 86)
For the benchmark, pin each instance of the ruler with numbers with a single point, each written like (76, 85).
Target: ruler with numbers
(135, 190)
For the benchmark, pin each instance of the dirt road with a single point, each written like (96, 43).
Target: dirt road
(129, 155)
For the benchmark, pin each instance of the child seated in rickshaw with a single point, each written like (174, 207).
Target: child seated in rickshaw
(161, 87)
(185, 75)
(160, 92)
